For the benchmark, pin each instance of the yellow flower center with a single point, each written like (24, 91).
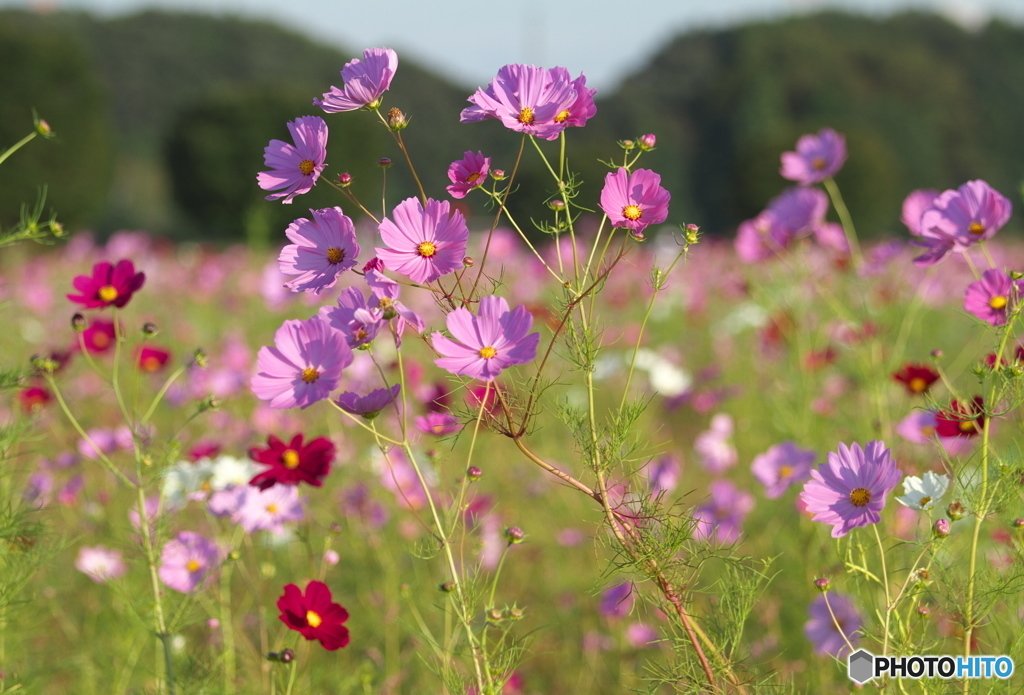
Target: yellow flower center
(632, 212)
(976, 228)
(272, 508)
(860, 496)
(309, 375)
(998, 302)
(290, 458)
(785, 472)
(107, 293)
(193, 566)
(386, 303)
(562, 116)
(967, 426)
(927, 431)
(426, 249)
(526, 116)
(818, 163)
(473, 177)
(925, 501)
(361, 334)
(918, 384)
(487, 352)
(335, 255)
(313, 619)
(306, 167)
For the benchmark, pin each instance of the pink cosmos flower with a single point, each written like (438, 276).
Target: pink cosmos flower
(760, 238)
(532, 100)
(714, 445)
(960, 219)
(817, 158)
(487, 343)
(269, 509)
(187, 561)
(617, 601)
(109, 285)
(370, 405)
(99, 336)
(304, 365)
(914, 206)
(358, 321)
(438, 424)
(993, 297)
(321, 250)
(366, 81)
(849, 490)
(295, 168)
(663, 474)
(423, 243)
(152, 358)
(822, 631)
(721, 519)
(781, 466)
(468, 173)
(385, 292)
(634, 200)
(100, 564)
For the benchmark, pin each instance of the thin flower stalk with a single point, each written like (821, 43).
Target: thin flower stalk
(846, 220)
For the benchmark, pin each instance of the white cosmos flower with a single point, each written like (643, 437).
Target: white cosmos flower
(922, 494)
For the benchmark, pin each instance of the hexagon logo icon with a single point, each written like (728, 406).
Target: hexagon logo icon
(860, 666)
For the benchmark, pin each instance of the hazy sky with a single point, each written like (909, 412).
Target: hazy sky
(470, 39)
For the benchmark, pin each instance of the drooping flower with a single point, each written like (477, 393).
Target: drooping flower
(923, 493)
(961, 419)
(488, 343)
(295, 168)
(532, 100)
(314, 615)
(100, 564)
(321, 250)
(827, 634)
(293, 463)
(960, 219)
(366, 81)
(151, 358)
(849, 490)
(187, 561)
(721, 518)
(109, 285)
(993, 297)
(468, 173)
(370, 405)
(817, 158)
(634, 200)
(304, 365)
(423, 243)
(354, 317)
(782, 466)
(918, 378)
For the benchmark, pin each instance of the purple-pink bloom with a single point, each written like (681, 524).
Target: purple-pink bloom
(321, 249)
(817, 158)
(761, 237)
(918, 427)
(295, 168)
(714, 445)
(385, 292)
(532, 100)
(993, 297)
(960, 219)
(826, 633)
(100, 564)
(304, 365)
(634, 200)
(849, 490)
(468, 173)
(269, 509)
(187, 561)
(438, 424)
(358, 321)
(423, 243)
(365, 82)
(488, 343)
(370, 405)
(914, 206)
(617, 601)
(781, 466)
(721, 519)
(663, 475)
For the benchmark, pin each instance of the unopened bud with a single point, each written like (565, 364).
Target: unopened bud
(822, 584)
(494, 615)
(924, 611)
(78, 323)
(43, 128)
(235, 555)
(397, 120)
(447, 587)
(57, 229)
(44, 364)
(941, 528)
(468, 261)
(936, 354)
(647, 142)
(515, 613)
(556, 205)
(287, 656)
(514, 534)
(1018, 523)
(209, 403)
(149, 329)
(627, 144)
(199, 357)
(335, 528)
(383, 162)
(956, 510)
(692, 233)
(498, 174)
(345, 179)
(474, 473)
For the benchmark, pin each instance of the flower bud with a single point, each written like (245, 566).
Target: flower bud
(1018, 523)
(332, 558)
(335, 528)
(822, 584)
(287, 656)
(936, 354)
(627, 145)
(940, 529)
(345, 179)
(556, 205)
(149, 329)
(692, 233)
(44, 364)
(383, 162)
(209, 403)
(43, 128)
(924, 611)
(57, 229)
(515, 613)
(77, 323)
(956, 510)
(397, 120)
(474, 473)
(447, 587)
(468, 262)
(514, 534)
(494, 615)
(199, 357)
(647, 142)
(235, 555)
(498, 174)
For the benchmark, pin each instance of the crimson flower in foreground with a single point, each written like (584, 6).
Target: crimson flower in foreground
(918, 378)
(849, 490)
(961, 419)
(304, 365)
(487, 343)
(993, 297)
(295, 168)
(634, 200)
(423, 243)
(321, 250)
(817, 158)
(294, 462)
(109, 285)
(366, 81)
(313, 615)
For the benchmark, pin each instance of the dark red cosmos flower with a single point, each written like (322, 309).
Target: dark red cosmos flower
(33, 398)
(918, 378)
(961, 419)
(152, 358)
(293, 463)
(314, 615)
(108, 285)
(99, 336)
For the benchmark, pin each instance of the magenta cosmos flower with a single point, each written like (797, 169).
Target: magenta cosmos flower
(823, 631)
(721, 519)
(370, 405)
(849, 490)
(321, 250)
(914, 206)
(109, 285)
(423, 243)
(993, 297)
(817, 158)
(295, 168)
(304, 365)
(468, 173)
(187, 561)
(314, 615)
(532, 100)
(634, 200)
(292, 463)
(357, 320)
(366, 81)
(960, 219)
(487, 343)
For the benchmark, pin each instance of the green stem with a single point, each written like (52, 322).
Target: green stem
(846, 220)
(17, 146)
